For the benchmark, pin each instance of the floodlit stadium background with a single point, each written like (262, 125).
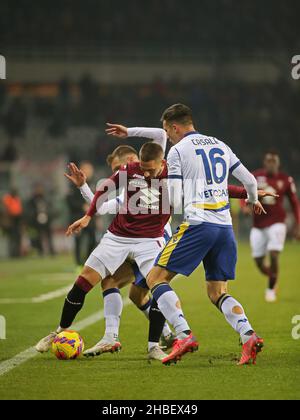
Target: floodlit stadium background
(72, 66)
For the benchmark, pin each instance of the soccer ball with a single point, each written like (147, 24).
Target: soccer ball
(67, 345)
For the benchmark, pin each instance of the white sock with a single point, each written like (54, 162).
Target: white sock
(239, 322)
(167, 330)
(169, 304)
(113, 306)
(59, 330)
(151, 345)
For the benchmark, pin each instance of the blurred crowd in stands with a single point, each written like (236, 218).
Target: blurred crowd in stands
(250, 25)
(252, 118)
(35, 216)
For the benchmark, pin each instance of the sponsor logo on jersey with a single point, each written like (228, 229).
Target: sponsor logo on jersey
(138, 176)
(149, 199)
(138, 183)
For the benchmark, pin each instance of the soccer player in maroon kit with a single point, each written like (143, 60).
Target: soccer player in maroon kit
(269, 231)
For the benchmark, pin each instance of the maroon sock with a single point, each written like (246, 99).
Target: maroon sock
(83, 284)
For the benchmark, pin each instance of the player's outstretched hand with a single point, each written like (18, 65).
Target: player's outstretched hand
(78, 226)
(263, 194)
(117, 130)
(258, 208)
(75, 175)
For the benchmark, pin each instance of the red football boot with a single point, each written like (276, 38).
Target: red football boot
(180, 348)
(251, 349)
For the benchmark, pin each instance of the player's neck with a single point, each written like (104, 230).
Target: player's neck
(187, 130)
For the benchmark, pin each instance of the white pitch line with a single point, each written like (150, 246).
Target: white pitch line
(30, 353)
(38, 299)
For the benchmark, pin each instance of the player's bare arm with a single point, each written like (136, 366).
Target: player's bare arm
(77, 226)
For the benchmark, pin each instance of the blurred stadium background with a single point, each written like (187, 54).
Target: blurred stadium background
(72, 66)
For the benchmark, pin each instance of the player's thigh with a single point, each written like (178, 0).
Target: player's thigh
(109, 255)
(187, 248)
(276, 237)
(124, 275)
(145, 254)
(259, 242)
(220, 262)
(91, 275)
(159, 275)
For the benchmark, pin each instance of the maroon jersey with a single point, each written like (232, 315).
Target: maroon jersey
(146, 208)
(284, 186)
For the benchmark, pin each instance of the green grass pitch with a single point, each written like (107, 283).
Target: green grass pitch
(209, 374)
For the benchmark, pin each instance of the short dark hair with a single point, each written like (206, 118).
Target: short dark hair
(272, 152)
(151, 151)
(179, 113)
(120, 152)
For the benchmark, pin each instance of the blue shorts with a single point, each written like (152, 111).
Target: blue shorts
(212, 244)
(140, 281)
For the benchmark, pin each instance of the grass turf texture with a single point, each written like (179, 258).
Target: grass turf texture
(209, 374)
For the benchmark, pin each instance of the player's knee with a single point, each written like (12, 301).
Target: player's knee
(91, 276)
(157, 276)
(109, 283)
(214, 296)
(260, 263)
(138, 295)
(274, 256)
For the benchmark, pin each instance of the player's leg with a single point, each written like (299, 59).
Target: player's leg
(145, 254)
(259, 243)
(104, 260)
(113, 307)
(182, 255)
(276, 242)
(159, 330)
(274, 269)
(220, 265)
(74, 302)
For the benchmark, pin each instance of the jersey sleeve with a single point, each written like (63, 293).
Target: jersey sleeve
(234, 161)
(158, 135)
(241, 173)
(87, 193)
(110, 185)
(175, 180)
(174, 164)
(293, 198)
